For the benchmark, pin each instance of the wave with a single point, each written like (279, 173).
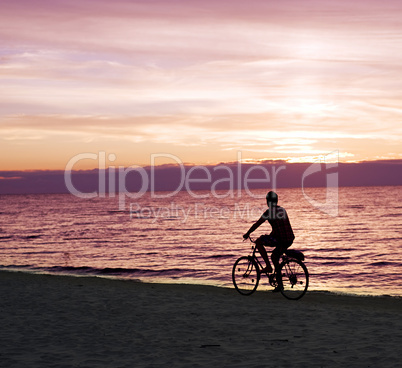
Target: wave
(331, 249)
(80, 238)
(14, 267)
(107, 271)
(31, 236)
(385, 263)
(338, 258)
(332, 263)
(184, 229)
(6, 237)
(221, 256)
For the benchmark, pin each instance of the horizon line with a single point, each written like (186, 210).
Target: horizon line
(189, 164)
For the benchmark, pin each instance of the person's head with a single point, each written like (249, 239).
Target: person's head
(272, 199)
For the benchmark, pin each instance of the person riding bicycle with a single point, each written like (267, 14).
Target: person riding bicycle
(281, 236)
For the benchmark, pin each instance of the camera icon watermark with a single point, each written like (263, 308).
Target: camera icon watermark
(327, 165)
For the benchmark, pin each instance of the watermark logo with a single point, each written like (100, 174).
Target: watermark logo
(114, 181)
(194, 211)
(220, 181)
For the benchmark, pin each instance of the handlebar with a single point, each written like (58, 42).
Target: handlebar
(249, 238)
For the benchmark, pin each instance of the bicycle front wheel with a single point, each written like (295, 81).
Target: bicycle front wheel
(245, 275)
(293, 279)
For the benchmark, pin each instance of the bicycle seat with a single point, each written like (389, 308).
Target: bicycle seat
(295, 254)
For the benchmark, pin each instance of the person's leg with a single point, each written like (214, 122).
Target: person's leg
(260, 247)
(275, 255)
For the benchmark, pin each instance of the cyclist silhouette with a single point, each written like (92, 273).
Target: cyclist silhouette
(281, 236)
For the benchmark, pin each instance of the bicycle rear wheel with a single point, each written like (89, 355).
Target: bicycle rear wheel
(245, 275)
(293, 279)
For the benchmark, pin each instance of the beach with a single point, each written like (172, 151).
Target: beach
(64, 321)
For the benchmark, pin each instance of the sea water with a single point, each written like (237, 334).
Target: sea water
(196, 237)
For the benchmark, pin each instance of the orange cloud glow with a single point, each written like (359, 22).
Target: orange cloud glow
(200, 80)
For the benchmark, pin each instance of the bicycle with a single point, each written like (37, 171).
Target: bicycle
(292, 277)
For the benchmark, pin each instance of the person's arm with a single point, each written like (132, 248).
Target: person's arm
(255, 226)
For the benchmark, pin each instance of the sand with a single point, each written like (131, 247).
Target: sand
(60, 321)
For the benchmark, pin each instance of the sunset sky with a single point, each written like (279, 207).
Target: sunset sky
(201, 80)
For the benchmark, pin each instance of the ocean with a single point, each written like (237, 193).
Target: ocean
(196, 237)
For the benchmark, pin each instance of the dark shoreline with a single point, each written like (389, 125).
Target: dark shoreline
(148, 281)
(64, 321)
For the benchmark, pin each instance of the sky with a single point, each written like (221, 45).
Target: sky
(201, 81)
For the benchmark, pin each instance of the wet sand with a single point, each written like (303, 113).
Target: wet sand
(60, 321)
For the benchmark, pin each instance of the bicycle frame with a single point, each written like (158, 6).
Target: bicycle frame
(255, 257)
